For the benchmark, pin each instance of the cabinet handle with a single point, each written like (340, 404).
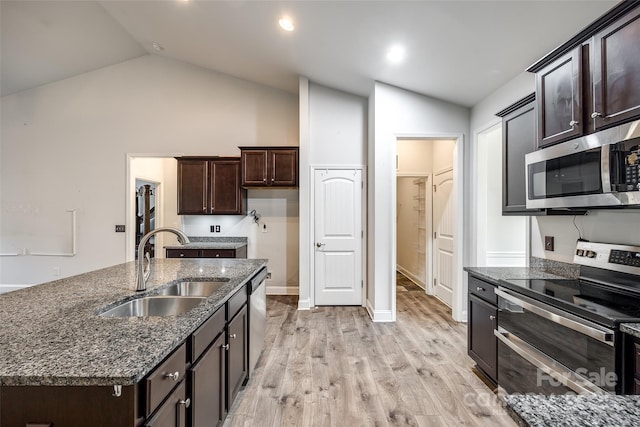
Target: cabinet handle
(217, 255)
(186, 403)
(233, 336)
(182, 255)
(173, 376)
(480, 289)
(573, 123)
(225, 346)
(492, 317)
(273, 179)
(264, 180)
(595, 114)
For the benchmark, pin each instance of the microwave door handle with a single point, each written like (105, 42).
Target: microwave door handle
(605, 167)
(546, 364)
(604, 336)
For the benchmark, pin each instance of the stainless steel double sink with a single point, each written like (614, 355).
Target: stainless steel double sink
(170, 300)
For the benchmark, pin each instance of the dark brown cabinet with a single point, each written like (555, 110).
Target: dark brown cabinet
(208, 385)
(592, 81)
(616, 72)
(483, 320)
(269, 166)
(631, 363)
(518, 139)
(559, 92)
(238, 355)
(207, 253)
(172, 413)
(210, 186)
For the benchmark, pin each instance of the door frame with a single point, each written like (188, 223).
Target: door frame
(130, 202)
(312, 231)
(458, 303)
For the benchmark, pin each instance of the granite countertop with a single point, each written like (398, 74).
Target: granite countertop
(212, 243)
(51, 334)
(631, 329)
(574, 410)
(497, 274)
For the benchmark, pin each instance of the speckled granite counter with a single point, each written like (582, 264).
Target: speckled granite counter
(496, 274)
(212, 243)
(574, 411)
(51, 334)
(631, 329)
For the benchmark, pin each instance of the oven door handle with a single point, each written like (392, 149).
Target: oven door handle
(602, 335)
(546, 364)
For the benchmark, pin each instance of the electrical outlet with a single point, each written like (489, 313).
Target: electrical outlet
(264, 228)
(215, 228)
(268, 275)
(548, 243)
(119, 228)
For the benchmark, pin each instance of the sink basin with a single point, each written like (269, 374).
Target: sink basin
(194, 288)
(154, 306)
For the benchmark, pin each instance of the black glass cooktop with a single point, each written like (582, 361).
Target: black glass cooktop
(600, 303)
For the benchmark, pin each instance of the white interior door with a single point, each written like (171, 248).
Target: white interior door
(443, 227)
(338, 237)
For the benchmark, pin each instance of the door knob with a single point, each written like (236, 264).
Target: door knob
(319, 245)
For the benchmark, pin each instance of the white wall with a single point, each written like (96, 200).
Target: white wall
(396, 112)
(64, 146)
(333, 131)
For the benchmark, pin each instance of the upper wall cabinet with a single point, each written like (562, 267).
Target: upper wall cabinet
(592, 81)
(210, 186)
(269, 166)
(559, 89)
(616, 74)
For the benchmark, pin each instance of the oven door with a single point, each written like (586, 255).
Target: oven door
(544, 350)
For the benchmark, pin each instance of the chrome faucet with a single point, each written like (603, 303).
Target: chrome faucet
(143, 272)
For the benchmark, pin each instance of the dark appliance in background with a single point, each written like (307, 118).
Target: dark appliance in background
(563, 335)
(598, 170)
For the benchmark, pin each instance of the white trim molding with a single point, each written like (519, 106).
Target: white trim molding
(282, 290)
(380, 316)
(506, 259)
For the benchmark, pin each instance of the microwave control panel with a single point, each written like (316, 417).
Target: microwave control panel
(632, 168)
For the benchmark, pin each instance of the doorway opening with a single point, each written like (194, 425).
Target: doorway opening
(145, 214)
(425, 209)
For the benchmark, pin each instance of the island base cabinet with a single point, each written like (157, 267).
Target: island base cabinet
(238, 360)
(208, 387)
(22, 406)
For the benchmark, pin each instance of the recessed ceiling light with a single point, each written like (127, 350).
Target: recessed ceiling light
(396, 54)
(157, 46)
(286, 23)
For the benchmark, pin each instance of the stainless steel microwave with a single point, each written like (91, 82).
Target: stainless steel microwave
(597, 170)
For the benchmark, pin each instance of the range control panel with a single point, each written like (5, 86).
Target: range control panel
(623, 258)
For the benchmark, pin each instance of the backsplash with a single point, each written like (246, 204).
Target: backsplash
(555, 267)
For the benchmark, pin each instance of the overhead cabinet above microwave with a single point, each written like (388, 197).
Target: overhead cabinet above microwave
(592, 82)
(264, 167)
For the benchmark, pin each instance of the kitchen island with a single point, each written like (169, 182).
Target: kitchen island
(52, 334)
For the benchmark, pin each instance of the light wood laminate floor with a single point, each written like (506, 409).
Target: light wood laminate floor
(332, 366)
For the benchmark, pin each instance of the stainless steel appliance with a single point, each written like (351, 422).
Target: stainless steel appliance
(257, 317)
(562, 335)
(597, 170)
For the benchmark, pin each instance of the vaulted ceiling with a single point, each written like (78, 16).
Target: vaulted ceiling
(459, 51)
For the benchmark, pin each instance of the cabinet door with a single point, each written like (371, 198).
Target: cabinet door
(172, 413)
(283, 167)
(225, 192)
(616, 74)
(483, 345)
(518, 139)
(192, 187)
(559, 99)
(254, 167)
(238, 355)
(208, 386)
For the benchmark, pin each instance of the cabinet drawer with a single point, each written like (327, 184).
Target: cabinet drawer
(173, 412)
(236, 302)
(158, 384)
(183, 253)
(484, 290)
(218, 253)
(206, 333)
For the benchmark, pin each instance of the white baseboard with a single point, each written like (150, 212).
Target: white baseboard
(304, 304)
(282, 290)
(506, 259)
(410, 276)
(380, 315)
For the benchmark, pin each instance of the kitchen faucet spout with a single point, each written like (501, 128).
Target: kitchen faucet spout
(142, 274)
